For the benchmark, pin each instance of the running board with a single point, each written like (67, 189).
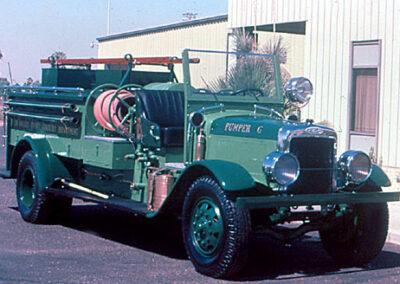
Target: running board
(114, 202)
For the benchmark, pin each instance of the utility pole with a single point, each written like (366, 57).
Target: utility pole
(108, 17)
(9, 71)
(1, 55)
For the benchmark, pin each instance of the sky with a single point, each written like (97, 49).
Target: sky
(33, 29)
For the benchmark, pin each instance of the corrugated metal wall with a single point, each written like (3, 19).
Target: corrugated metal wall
(331, 26)
(250, 12)
(212, 36)
(294, 44)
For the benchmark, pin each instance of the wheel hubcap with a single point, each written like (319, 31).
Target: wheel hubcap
(206, 227)
(27, 188)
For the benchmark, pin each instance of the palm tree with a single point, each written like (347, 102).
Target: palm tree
(252, 72)
(58, 55)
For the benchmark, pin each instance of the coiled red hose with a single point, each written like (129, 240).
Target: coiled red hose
(118, 109)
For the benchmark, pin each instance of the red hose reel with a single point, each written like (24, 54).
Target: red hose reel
(113, 111)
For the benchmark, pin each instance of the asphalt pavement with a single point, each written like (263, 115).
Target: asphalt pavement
(99, 245)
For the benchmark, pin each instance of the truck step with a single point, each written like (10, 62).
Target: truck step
(114, 202)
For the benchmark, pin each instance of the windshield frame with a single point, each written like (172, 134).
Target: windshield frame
(276, 99)
(212, 100)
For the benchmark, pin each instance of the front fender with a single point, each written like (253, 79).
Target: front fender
(230, 176)
(379, 177)
(50, 166)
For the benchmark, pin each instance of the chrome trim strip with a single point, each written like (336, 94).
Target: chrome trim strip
(291, 130)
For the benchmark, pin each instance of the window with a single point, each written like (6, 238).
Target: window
(365, 100)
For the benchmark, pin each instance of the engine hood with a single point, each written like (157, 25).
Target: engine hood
(247, 127)
(247, 139)
(267, 128)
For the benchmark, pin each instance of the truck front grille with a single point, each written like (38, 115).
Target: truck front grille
(316, 158)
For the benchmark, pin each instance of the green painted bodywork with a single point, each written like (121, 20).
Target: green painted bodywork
(231, 146)
(276, 201)
(169, 86)
(230, 176)
(69, 145)
(49, 164)
(89, 79)
(379, 177)
(252, 127)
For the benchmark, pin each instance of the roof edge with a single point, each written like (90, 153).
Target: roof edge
(162, 28)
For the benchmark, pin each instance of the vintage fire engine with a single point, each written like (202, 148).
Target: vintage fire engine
(223, 156)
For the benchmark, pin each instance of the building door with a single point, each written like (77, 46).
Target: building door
(364, 104)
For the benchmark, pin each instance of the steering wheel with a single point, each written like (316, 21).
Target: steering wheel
(256, 92)
(89, 106)
(124, 110)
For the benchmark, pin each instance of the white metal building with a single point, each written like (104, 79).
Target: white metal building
(168, 40)
(352, 55)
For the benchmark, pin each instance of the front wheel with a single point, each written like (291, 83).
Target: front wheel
(357, 238)
(215, 231)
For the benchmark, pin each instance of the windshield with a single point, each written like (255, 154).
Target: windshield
(234, 74)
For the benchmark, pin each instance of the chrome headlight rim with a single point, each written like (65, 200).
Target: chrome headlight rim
(346, 161)
(270, 163)
(297, 94)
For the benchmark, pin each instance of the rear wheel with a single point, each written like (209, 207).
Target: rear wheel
(215, 231)
(358, 237)
(34, 205)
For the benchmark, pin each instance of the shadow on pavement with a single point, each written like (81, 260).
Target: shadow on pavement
(306, 258)
(268, 260)
(159, 236)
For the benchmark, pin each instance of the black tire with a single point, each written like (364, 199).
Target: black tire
(231, 253)
(358, 238)
(34, 204)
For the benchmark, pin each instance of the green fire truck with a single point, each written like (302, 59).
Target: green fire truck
(225, 151)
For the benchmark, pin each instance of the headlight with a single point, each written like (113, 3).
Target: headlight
(299, 91)
(196, 119)
(282, 168)
(356, 166)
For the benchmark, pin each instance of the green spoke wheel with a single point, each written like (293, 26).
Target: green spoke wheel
(207, 227)
(215, 231)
